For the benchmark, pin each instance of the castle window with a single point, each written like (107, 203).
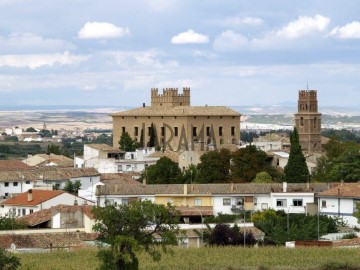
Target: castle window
(302, 121)
(208, 117)
(315, 122)
(162, 131)
(220, 131)
(207, 131)
(148, 117)
(180, 103)
(149, 131)
(160, 104)
(194, 131)
(136, 131)
(135, 117)
(175, 131)
(194, 117)
(232, 131)
(174, 117)
(123, 129)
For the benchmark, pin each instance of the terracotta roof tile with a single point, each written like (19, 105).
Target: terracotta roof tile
(38, 196)
(180, 111)
(120, 178)
(195, 211)
(11, 165)
(351, 190)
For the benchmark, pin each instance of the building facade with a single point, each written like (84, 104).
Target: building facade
(308, 121)
(178, 125)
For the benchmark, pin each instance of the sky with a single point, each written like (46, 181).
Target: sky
(229, 52)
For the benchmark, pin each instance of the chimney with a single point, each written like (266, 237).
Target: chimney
(30, 195)
(284, 186)
(144, 104)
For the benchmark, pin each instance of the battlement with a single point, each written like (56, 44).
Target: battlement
(170, 97)
(306, 94)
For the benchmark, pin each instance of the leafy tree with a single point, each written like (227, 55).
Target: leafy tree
(247, 162)
(224, 235)
(103, 138)
(127, 144)
(262, 177)
(11, 139)
(296, 170)
(246, 136)
(165, 171)
(189, 175)
(214, 167)
(46, 133)
(9, 222)
(30, 129)
(54, 149)
(357, 213)
(71, 187)
(152, 136)
(8, 261)
(132, 227)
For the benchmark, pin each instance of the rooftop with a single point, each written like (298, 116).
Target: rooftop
(44, 159)
(38, 196)
(350, 190)
(10, 165)
(180, 111)
(103, 147)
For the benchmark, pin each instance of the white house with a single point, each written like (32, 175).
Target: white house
(18, 181)
(340, 201)
(35, 200)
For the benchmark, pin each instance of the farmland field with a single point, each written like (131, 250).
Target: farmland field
(234, 258)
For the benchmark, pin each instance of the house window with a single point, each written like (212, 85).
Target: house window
(198, 202)
(226, 201)
(297, 202)
(119, 168)
(128, 167)
(207, 131)
(15, 184)
(31, 211)
(232, 131)
(194, 131)
(220, 131)
(264, 206)
(239, 201)
(6, 194)
(281, 203)
(136, 131)
(6, 184)
(27, 182)
(175, 131)
(255, 201)
(24, 212)
(323, 203)
(19, 212)
(125, 201)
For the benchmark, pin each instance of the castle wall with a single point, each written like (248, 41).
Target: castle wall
(170, 97)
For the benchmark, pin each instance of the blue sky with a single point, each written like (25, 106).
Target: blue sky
(230, 52)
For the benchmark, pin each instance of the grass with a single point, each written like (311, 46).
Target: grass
(219, 258)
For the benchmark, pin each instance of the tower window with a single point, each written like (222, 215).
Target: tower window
(220, 131)
(162, 131)
(194, 131)
(136, 131)
(302, 121)
(176, 131)
(207, 131)
(315, 122)
(232, 131)
(123, 129)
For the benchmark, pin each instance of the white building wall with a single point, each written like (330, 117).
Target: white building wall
(267, 146)
(21, 187)
(119, 199)
(289, 198)
(56, 221)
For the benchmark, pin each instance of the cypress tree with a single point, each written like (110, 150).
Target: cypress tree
(296, 170)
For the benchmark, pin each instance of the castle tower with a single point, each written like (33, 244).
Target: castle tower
(170, 97)
(308, 121)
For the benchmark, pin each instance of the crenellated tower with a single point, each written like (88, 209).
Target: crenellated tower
(170, 97)
(308, 121)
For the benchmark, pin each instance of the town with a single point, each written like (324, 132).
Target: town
(193, 159)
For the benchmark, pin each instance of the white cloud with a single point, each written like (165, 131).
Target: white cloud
(34, 61)
(32, 43)
(93, 30)
(303, 26)
(230, 41)
(189, 37)
(350, 30)
(236, 21)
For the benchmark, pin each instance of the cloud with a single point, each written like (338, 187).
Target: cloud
(34, 61)
(348, 31)
(230, 41)
(32, 43)
(236, 21)
(304, 26)
(189, 37)
(94, 30)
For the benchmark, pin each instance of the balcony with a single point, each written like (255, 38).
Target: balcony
(236, 208)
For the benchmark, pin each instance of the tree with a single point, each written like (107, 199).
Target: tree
(127, 144)
(71, 187)
(9, 222)
(8, 261)
(142, 138)
(53, 149)
(132, 227)
(224, 235)
(189, 175)
(152, 134)
(247, 162)
(31, 129)
(165, 171)
(296, 170)
(262, 177)
(214, 167)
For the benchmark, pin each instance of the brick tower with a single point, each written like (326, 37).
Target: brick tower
(308, 121)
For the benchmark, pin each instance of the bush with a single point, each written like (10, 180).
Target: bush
(349, 236)
(8, 261)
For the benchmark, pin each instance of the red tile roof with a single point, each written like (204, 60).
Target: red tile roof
(38, 196)
(351, 190)
(13, 165)
(195, 211)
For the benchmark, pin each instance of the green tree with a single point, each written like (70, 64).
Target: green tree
(214, 167)
(11, 139)
(129, 228)
(46, 133)
(127, 144)
(54, 149)
(103, 138)
(142, 138)
(262, 177)
(152, 136)
(71, 187)
(8, 261)
(224, 235)
(189, 175)
(296, 170)
(165, 171)
(30, 129)
(9, 222)
(247, 162)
